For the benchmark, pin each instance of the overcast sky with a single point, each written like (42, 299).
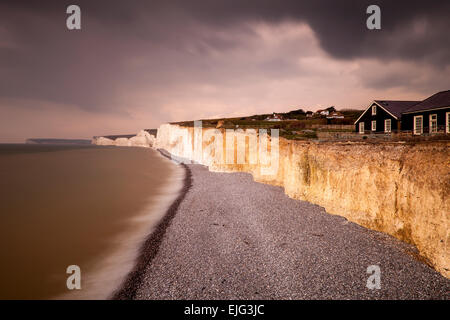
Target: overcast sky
(137, 64)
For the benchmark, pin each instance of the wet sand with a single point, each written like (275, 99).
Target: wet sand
(233, 238)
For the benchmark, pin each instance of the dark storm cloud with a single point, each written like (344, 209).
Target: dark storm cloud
(410, 29)
(140, 52)
(339, 25)
(112, 30)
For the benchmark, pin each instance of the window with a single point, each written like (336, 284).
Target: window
(433, 123)
(374, 110)
(361, 127)
(418, 124)
(374, 125)
(387, 125)
(447, 122)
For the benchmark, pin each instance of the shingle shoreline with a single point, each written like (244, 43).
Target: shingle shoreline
(151, 245)
(228, 237)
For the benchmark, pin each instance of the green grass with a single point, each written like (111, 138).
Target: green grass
(289, 129)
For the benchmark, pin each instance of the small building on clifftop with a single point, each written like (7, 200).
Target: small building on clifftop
(382, 116)
(431, 116)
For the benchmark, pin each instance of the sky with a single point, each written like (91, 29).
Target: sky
(136, 64)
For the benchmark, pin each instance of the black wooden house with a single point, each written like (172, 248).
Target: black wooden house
(430, 116)
(382, 116)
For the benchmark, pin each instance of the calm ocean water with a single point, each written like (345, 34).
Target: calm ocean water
(77, 205)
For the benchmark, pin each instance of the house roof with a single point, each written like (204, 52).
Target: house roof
(396, 107)
(437, 100)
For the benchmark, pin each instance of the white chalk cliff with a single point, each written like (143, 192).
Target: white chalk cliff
(142, 139)
(399, 189)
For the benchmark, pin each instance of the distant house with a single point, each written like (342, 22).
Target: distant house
(335, 115)
(323, 112)
(309, 114)
(382, 116)
(432, 115)
(274, 117)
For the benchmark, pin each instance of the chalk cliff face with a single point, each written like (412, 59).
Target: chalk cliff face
(395, 188)
(102, 141)
(142, 139)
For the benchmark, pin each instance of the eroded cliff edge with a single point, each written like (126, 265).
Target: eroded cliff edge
(399, 189)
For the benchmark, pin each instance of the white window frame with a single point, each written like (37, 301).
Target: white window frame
(373, 125)
(430, 121)
(374, 110)
(385, 126)
(447, 122)
(361, 126)
(414, 124)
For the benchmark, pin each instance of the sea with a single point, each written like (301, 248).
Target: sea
(73, 217)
